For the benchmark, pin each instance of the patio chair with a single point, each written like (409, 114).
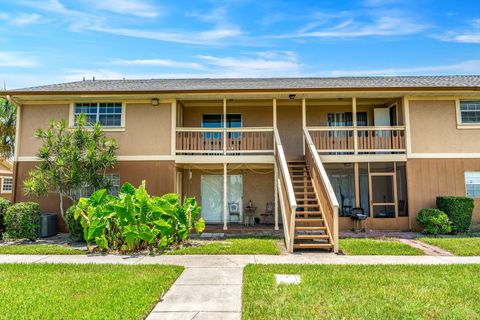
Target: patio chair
(233, 211)
(269, 209)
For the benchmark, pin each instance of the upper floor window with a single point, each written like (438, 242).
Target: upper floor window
(108, 114)
(215, 120)
(7, 185)
(472, 184)
(470, 111)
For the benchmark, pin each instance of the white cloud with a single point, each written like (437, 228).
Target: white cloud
(17, 59)
(463, 67)
(213, 36)
(158, 63)
(469, 36)
(21, 19)
(136, 8)
(350, 28)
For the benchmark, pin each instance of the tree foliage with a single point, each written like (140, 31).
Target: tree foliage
(8, 118)
(71, 159)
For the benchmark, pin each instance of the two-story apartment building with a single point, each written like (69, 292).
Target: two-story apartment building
(302, 154)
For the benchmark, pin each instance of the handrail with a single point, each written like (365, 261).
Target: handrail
(242, 129)
(351, 128)
(286, 192)
(326, 189)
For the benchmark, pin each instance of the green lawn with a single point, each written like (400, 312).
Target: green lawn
(39, 249)
(363, 292)
(243, 245)
(361, 246)
(82, 291)
(465, 246)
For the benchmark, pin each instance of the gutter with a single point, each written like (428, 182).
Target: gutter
(266, 90)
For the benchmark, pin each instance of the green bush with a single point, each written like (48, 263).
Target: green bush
(135, 220)
(4, 203)
(434, 221)
(74, 226)
(21, 221)
(459, 210)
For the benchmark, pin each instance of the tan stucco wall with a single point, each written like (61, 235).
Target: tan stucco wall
(252, 116)
(258, 187)
(159, 177)
(429, 178)
(433, 129)
(147, 128)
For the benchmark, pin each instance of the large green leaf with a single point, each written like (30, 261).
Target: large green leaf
(98, 197)
(130, 234)
(127, 188)
(95, 230)
(199, 225)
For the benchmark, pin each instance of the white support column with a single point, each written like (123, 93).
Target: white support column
(304, 119)
(354, 124)
(274, 108)
(224, 119)
(406, 121)
(225, 197)
(173, 144)
(275, 176)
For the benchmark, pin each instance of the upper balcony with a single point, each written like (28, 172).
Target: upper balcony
(338, 127)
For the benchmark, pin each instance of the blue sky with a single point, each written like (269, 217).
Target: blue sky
(58, 40)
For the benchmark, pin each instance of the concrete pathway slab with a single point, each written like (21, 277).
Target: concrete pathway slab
(211, 276)
(201, 261)
(218, 316)
(202, 298)
(428, 249)
(96, 259)
(21, 258)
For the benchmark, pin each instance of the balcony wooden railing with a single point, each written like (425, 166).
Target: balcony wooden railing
(287, 202)
(323, 189)
(358, 140)
(224, 141)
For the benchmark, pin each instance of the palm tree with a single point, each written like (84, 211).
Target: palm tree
(8, 117)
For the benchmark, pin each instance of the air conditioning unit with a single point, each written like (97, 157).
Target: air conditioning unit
(47, 225)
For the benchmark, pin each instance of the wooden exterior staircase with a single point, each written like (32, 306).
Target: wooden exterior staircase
(306, 199)
(311, 230)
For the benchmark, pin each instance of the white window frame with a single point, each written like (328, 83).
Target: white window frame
(3, 185)
(460, 124)
(469, 178)
(71, 118)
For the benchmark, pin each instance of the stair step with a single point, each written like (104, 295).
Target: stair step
(309, 220)
(312, 245)
(308, 205)
(311, 236)
(310, 228)
(311, 192)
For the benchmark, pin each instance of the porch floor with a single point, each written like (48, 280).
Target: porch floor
(237, 229)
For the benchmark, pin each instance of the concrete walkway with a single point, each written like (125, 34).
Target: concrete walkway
(238, 261)
(211, 285)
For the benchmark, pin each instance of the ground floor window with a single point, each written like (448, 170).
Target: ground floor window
(7, 184)
(378, 188)
(472, 184)
(114, 190)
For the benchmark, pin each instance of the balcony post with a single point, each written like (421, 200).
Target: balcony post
(304, 119)
(275, 176)
(173, 137)
(225, 197)
(224, 126)
(354, 124)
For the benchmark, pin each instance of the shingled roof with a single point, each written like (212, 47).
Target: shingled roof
(238, 84)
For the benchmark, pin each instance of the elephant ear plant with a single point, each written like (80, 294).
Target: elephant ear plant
(136, 221)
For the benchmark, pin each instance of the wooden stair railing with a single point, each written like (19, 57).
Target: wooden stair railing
(286, 194)
(321, 190)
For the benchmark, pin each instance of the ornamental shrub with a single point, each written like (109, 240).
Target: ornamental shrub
(135, 220)
(74, 226)
(434, 221)
(21, 221)
(459, 210)
(4, 203)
